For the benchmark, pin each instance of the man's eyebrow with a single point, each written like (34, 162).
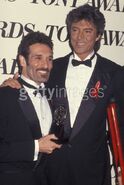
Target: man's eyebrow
(88, 28)
(34, 55)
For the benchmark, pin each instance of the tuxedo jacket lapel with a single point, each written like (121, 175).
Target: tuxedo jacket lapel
(57, 83)
(64, 98)
(89, 100)
(86, 108)
(30, 114)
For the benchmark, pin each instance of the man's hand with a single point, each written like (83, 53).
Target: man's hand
(47, 145)
(12, 82)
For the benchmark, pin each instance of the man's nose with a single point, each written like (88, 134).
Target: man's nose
(44, 63)
(80, 35)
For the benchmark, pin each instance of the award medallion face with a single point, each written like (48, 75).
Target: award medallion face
(59, 118)
(60, 115)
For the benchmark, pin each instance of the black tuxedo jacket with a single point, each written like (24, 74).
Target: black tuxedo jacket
(19, 127)
(85, 158)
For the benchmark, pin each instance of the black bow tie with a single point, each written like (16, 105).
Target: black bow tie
(37, 90)
(40, 90)
(87, 62)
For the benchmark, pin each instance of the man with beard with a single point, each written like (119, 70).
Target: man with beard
(25, 115)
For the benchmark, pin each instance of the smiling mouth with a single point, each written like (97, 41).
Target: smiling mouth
(80, 44)
(42, 72)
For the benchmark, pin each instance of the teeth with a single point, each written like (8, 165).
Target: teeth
(80, 44)
(42, 72)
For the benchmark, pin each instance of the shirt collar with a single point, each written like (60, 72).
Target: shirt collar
(32, 82)
(75, 56)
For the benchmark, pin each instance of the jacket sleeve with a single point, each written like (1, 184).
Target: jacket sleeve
(16, 142)
(119, 96)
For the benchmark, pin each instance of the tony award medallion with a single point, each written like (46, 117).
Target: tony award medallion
(59, 117)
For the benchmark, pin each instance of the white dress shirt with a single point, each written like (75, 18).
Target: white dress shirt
(77, 79)
(42, 109)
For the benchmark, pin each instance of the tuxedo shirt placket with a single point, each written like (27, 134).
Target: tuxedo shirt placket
(77, 79)
(41, 107)
(44, 115)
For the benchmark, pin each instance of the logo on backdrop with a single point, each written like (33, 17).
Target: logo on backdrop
(10, 29)
(10, 0)
(71, 3)
(3, 66)
(15, 29)
(106, 5)
(57, 32)
(113, 37)
(109, 38)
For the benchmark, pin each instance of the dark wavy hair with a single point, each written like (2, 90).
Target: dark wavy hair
(89, 13)
(28, 40)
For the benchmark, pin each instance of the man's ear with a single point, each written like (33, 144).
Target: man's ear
(22, 61)
(98, 37)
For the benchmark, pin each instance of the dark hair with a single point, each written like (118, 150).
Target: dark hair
(90, 14)
(28, 40)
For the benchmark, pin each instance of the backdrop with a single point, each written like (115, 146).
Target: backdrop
(18, 17)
